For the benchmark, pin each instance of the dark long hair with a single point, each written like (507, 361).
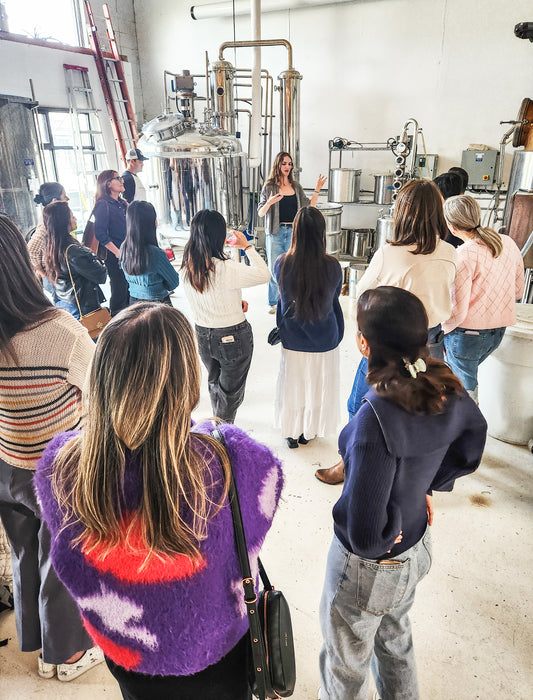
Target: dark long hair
(140, 235)
(306, 269)
(102, 183)
(22, 302)
(143, 384)
(207, 239)
(275, 176)
(56, 219)
(418, 217)
(449, 184)
(395, 325)
(48, 191)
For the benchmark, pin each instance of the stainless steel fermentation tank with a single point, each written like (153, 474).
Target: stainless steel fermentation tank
(20, 161)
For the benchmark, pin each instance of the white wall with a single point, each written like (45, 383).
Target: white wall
(367, 66)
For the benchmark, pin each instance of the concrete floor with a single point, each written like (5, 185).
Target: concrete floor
(472, 617)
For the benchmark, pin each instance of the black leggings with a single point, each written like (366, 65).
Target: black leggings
(226, 680)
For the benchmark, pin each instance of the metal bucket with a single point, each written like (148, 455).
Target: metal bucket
(332, 214)
(346, 241)
(363, 239)
(356, 272)
(383, 189)
(384, 231)
(344, 185)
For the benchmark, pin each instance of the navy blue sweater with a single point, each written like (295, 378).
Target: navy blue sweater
(391, 460)
(318, 336)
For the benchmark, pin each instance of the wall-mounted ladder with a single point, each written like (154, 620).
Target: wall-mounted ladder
(113, 83)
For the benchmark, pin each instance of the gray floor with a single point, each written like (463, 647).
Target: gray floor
(472, 618)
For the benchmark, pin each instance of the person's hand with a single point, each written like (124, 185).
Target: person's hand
(237, 239)
(429, 508)
(274, 198)
(397, 540)
(244, 306)
(320, 182)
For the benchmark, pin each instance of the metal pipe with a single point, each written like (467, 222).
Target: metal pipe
(228, 8)
(255, 126)
(252, 44)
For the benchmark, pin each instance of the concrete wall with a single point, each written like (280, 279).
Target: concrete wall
(367, 66)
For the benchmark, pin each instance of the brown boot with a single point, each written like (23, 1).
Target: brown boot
(333, 475)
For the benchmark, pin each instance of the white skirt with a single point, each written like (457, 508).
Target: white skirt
(307, 394)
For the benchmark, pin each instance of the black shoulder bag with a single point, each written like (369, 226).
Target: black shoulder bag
(274, 337)
(269, 618)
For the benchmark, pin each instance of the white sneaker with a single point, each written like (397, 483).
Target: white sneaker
(45, 670)
(92, 657)
(273, 309)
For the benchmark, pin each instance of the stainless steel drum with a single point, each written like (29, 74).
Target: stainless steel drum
(192, 169)
(344, 185)
(363, 239)
(346, 241)
(383, 189)
(356, 272)
(384, 231)
(332, 214)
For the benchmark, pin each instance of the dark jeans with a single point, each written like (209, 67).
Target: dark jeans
(120, 291)
(225, 680)
(226, 354)
(361, 386)
(166, 300)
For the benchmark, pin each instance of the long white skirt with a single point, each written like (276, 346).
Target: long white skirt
(307, 395)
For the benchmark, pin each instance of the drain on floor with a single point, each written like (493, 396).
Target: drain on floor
(480, 501)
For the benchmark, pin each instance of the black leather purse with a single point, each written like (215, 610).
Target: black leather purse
(269, 618)
(274, 337)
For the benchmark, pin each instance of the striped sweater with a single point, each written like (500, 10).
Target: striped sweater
(40, 397)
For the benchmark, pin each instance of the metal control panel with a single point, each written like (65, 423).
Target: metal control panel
(480, 166)
(426, 165)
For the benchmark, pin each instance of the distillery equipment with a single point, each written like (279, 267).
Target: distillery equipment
(344, 185)
(383, 188)
(384, 231)
(362, 242)
(332, 214)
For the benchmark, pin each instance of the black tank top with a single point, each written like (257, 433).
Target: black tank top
(288, 207)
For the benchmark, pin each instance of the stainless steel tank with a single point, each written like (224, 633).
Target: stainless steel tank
(191, 169)
(332, 214)
(384, 231)
(344, 185)
(20, 163)
(222, 98)
(520, 178)
(289, 123)
(383, 188)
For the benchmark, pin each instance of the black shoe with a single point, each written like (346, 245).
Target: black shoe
(292, 443)
(302, 440)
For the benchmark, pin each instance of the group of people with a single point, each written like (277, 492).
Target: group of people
(127, 553)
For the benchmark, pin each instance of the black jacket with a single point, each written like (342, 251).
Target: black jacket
(110, 220)
(87, 272)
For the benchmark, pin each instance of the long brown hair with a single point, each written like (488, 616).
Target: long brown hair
(22, 302)
(143, 385)
(418, 217)
(102, 183)
(395, 325)
(206, 241)
(56, 219)
(306, 269)
(464, 213)
(275, 177)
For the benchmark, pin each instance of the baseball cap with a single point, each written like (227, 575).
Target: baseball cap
(135, 154)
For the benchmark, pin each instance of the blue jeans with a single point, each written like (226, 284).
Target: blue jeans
(365, 623)
(71, 308)
(361, 386)
(276, 245)
(467, 349)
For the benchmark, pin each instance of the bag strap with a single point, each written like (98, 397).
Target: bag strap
(250, 596)
(72, 279)
(286, 314)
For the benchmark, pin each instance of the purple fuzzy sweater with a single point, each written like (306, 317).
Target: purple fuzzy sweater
(176, 617)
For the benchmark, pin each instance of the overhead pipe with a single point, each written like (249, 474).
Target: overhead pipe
(242, 7)
(251, 44)
(255, 124)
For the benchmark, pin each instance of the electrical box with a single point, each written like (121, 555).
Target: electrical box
(426, 165)
(480, 166)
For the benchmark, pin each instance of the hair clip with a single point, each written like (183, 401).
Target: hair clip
(415, 367)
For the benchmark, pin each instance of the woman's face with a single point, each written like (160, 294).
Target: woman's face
(73, 223)
(116, 186)
(286, 166)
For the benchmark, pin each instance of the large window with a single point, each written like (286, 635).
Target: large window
(75, 168)
(56, 20)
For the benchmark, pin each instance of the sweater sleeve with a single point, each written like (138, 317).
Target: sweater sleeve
(80, 358)
(129, 186)
(461, 289)
(370, 280)
(36, 248)
(239, 275)
(520, 274)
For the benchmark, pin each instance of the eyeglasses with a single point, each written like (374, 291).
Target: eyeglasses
(118, 177)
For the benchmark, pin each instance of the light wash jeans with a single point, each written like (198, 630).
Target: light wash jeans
(365, 623)
(467, 349)
(71, 308)
(276, 245)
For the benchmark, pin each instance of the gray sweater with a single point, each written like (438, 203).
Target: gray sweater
(272, 215)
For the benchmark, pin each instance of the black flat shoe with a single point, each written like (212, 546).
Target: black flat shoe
(302, 440)
(292, 443)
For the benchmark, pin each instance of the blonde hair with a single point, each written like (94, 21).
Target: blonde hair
(143, 384)
(463, 212)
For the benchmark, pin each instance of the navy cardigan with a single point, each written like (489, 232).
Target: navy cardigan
(318, 336)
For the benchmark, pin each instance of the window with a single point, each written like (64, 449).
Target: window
(57, 20)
